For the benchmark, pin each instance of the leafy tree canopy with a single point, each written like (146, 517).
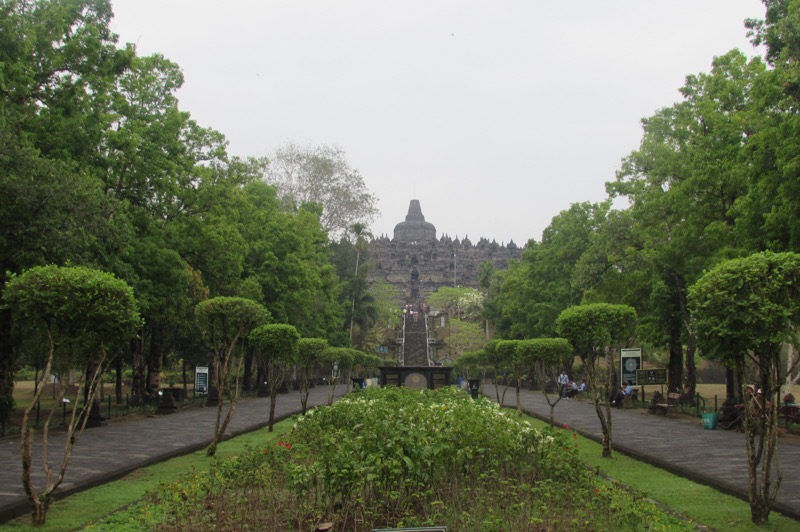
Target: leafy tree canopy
(747, 304)
(322, 175)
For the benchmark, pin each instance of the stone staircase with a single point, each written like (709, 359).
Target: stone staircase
(415, 345)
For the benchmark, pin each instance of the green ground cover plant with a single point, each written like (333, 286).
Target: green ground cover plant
(120, 505)
(402, 458)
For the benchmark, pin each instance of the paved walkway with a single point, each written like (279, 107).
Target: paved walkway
(107, 453)
(678, 444)
(713, 457)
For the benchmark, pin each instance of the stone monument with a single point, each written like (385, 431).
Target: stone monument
(416, 264)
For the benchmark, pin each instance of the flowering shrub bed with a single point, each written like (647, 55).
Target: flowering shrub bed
(399, 458)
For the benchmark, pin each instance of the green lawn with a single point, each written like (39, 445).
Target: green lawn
(701, 504)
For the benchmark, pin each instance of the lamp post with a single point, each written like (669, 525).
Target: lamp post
(455, 264)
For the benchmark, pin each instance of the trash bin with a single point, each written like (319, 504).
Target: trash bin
(710, 421)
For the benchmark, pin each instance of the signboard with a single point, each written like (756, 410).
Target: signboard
(652, 376)
(630, 362)
(201, 380)
(382, 349)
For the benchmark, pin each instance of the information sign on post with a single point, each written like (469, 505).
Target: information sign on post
(201, 380)
(652, 376)
(630, 362)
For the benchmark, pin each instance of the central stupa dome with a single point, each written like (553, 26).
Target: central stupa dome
(415, 228)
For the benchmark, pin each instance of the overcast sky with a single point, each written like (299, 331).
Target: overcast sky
(496, 115)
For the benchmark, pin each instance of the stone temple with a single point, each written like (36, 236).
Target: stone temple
(417, 264)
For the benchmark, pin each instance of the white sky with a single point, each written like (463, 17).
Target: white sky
(496, 115)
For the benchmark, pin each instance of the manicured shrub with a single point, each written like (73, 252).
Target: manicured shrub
(402, 458)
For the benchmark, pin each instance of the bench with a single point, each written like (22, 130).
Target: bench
(630, 400)
(671, 404)
(790, 413)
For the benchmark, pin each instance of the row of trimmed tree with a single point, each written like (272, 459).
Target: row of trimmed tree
(76, 314)
(744, 311)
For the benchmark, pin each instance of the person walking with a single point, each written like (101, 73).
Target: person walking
(563, 380)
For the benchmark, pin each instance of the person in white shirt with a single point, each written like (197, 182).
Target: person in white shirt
(563, 380)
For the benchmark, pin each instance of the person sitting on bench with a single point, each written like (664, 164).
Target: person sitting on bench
(755, 401)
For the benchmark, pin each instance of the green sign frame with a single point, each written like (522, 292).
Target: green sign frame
(651, 376)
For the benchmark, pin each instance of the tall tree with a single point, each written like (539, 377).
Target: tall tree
(322, 175)
(161, 166)
(58, 66)
(361, 235)
(539, 286)
(288, 256)
(684, 183)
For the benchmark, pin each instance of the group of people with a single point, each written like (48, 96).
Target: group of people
(414, 311)
(626, 390)
(570, 388)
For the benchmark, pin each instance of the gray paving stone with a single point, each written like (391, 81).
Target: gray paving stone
(106, 453)
(713, 457)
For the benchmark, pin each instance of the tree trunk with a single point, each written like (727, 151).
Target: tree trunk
(605, 417)
(221, 372)
(77, 423)
(183, 376)
(248, 380)
(691, 368)
(730, 383)
(118, 379)
(675, 368)
(6, 365)
(273, 397)
(602, 402)
(691, 342)
(138, 386)
(155, 361)
(305, 382)
(39, 513)
(761, 436)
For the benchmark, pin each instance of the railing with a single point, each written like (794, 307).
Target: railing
(428, 350)
(401, 353)
(108, 408)
(694, 406)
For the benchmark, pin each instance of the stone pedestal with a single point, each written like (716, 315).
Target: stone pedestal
(431, 377)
